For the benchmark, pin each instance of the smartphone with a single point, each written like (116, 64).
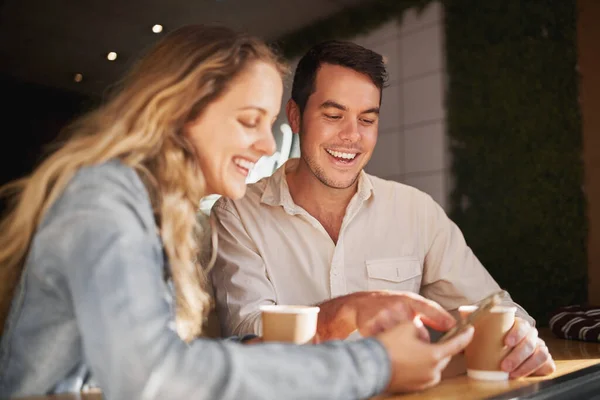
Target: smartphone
(483, 309)
(459, 328)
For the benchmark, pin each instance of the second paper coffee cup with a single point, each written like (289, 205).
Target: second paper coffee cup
(487, 349)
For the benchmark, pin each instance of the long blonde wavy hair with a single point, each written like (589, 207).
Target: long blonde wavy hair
(142, 125)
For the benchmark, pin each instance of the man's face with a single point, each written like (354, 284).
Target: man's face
(338, 129)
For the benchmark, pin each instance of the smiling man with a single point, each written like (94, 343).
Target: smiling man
(322, 231)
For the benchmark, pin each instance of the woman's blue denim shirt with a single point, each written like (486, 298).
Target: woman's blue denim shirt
(93, 308)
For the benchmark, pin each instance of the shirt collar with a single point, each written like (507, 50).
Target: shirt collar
(277, 191)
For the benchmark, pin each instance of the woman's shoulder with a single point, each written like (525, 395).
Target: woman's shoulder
(111, 189)
(112, 174)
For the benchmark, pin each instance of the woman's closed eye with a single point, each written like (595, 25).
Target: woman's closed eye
(249, 123)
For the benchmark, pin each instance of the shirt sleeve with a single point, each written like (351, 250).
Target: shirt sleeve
(240, 280)
(113, 267)
(453, 276)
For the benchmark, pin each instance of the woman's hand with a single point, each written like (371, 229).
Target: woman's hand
(418, 364)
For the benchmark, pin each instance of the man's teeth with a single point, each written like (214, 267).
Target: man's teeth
(339, 154)
(241, 162)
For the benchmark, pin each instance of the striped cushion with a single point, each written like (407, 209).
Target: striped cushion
(576, 322)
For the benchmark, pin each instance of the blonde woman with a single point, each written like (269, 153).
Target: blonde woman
(103, 232)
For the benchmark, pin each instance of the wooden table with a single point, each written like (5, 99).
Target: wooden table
(569, 355)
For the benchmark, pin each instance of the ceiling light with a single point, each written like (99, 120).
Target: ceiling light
(78, 78)
(157, 28)
(112, 56)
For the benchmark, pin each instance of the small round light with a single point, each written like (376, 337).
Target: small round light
(157, 28)
(112, 56)
(78, 78)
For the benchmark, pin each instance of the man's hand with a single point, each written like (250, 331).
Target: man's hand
(529, 354)
(374, 312)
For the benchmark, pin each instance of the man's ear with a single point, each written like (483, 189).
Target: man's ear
(293, 115)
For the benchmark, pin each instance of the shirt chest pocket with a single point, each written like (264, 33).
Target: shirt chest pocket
(395, 274)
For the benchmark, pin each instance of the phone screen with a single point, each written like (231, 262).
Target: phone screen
(462, 325)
